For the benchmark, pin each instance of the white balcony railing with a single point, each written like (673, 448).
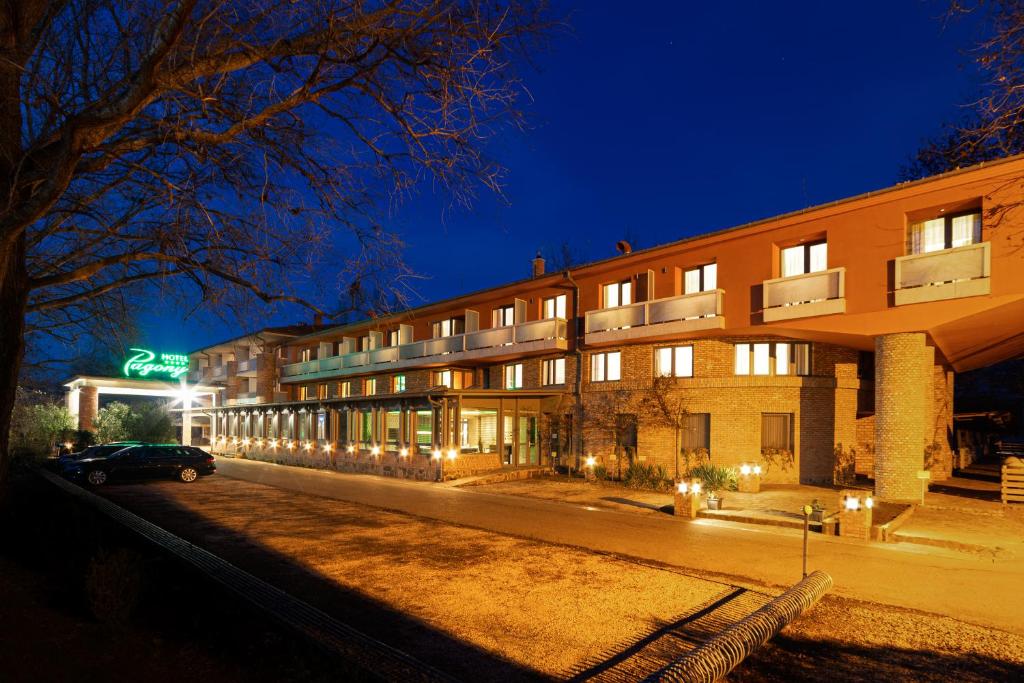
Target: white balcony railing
(945, 274)
(451, 348)
(809, 294)
(693, 311)
(249, 365)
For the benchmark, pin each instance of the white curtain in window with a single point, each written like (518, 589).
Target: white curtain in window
(597, 367)
(684, 361)
(761, 354)
(966, 230)
(691, 281)
(626, 295)
(933, 235)
(802, 355)
(782, 359)
(614, 366)
(819, 257)
(710, 276)
(611, 295)
(663, 362)
(743, 359)
(792, 261)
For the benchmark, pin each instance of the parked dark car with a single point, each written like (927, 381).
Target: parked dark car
(98, 451)
(147, 461)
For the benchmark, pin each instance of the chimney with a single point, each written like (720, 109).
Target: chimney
(538, 265)
(623, 247)
(318, 320)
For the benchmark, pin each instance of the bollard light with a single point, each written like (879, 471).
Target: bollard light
(745, 470)
(404, 452)
(757, 469)
(452, 453)
(291, 445)
(351, 448)
(327, 447)
(591, 461)
(869, 502)
(245, 441)
(682, 487)
(375, 450)
(436, 455)
(695, 488)
(852, 503)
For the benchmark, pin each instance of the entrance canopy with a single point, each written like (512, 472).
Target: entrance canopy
(84, 391)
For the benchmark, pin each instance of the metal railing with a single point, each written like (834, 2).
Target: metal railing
(670, 309)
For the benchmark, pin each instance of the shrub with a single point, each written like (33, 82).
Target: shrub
(641, 476)
(715, 478)
(777, 457)
(600, 472)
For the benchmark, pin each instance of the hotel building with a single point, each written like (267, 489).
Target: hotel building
(819, 343)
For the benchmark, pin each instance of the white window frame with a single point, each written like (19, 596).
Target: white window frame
(782, 359)
(801, 259)
(555, 307)
(678, 358)
(700, 279)
(552, 371)
(513, 376)
(623, 293)
(397, 384)
(606, 366)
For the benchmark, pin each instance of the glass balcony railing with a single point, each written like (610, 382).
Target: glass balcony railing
(481, 343)
(808, 294)
(696, 311)
(945, 274)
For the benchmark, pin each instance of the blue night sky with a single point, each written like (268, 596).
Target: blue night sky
(672, 121)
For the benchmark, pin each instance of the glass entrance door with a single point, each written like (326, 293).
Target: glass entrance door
(527, 443)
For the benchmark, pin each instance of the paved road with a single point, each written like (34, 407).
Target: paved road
(984, 591)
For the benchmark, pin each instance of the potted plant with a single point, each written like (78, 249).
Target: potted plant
(817, 511)
(715, 479)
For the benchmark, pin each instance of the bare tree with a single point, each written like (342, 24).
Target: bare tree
(993, 123)
(227, 143)
(662, 405)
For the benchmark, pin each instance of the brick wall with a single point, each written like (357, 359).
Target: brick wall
(823, 406)
(900, 413)
(88, 406)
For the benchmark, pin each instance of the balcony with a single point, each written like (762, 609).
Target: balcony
(218, 373)
(246, 399)
(947, 274)
(803, 296)
(538, 336)
(247, 367)
(670, 316)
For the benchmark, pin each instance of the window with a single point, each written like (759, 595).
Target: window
(504, 316)
(805, 258)
(702, 279)
(321, 391)
(307, 392)
(306, 355)
(448, 327)
(345, 389)
(777, 431)
(606, 367)
(393, 338)
(781, 358)
(554, 307)
(945, 232)
(695, 431)
(552, 371)
(514, 376)
(617, 294)
(673, 361)
(453, 379)
(370, 387)
(397, 384)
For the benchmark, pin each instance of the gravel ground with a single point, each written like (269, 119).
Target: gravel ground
(544, 608)
(491, 607)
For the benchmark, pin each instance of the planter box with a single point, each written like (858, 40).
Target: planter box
(715, 503)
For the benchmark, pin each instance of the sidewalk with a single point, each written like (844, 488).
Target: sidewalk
(955, 522)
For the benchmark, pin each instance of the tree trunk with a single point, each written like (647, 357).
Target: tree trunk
(13, 301)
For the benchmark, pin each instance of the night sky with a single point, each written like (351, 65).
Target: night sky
(655, 121)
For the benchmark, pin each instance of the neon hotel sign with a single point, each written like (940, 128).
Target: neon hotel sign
(144, 363)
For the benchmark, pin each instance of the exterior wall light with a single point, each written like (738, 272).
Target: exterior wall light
(591, 461)
(436, 454)
(245, 441)
(869, 502)
(327, 447)
(273, 443)
(309, 445)
(291, 445)
(351, 448)
(452, 453)
(404, 452)
(375, 450)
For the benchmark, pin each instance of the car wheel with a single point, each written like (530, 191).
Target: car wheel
(188, 474)
(96, 478)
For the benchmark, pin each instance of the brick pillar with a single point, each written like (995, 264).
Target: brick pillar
(900, 414)
(232, 381)
(266, 377)
(88, 405)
